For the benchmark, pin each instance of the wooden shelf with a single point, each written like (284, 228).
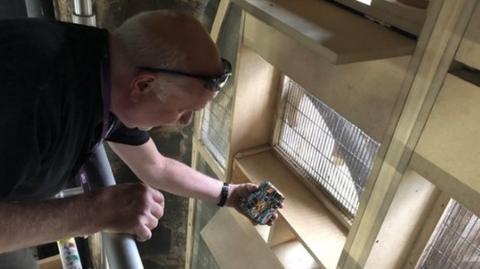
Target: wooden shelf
(314, 226)
(293, 255)
(448, 151)
(469, 50)
(235, 244)
(337, 34)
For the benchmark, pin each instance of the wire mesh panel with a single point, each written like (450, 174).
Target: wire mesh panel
(327, 149)
(455, 243)
(215, 131)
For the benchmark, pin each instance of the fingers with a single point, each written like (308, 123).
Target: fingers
(272, 219)
(157, 196)
(135, 209)
(150, 221)
(251, 187)
(143, 233)
(156, 210)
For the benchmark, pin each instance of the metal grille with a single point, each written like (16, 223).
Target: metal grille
(216, 124)
(455, 243)
(218, 114)
(327, 149)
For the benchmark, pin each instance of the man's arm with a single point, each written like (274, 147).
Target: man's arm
(126, 208)
(167, 174)
(172, 176)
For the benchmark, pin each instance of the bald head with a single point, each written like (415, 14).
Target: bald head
(169, 39)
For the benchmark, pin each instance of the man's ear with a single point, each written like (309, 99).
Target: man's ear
(140, 85)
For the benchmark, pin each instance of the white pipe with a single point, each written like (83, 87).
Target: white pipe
(83, 12)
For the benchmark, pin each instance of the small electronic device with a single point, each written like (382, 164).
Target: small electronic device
(262, 203)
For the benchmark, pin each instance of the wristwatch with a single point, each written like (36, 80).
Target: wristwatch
(224, 194)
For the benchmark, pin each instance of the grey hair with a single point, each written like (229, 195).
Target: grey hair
(143, 42)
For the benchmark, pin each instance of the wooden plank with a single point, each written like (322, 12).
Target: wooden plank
(391, 12)
(280, 233)
(293, 255)
(219, 17)
(364, 93)
(235, 244)
(409, 209)
(190, 235)
(336, 34)
(281, 102)
(469, 50)
(191, 215)
(254, 104)
(302, 211)
(53, 262)
(437, 46)
(448, 150)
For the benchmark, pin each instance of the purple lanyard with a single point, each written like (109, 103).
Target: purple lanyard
(105, 84)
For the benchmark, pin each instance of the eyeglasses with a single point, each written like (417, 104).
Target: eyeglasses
(213, 83)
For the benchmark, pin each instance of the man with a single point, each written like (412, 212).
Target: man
(64, 88)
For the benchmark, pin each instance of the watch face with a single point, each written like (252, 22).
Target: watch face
(262, 204)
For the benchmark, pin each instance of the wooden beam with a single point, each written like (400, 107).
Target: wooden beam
(219, 17)
(338, 35)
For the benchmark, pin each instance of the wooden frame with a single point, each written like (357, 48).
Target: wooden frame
(435, 52)
(416, 81)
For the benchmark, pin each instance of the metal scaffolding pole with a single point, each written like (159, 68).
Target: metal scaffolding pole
(83, 12)
(121, 250)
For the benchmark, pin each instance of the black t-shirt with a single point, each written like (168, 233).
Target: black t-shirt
(50, 105)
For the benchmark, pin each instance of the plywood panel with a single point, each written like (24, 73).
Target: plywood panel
(235, 243)
(449, 149)
(469, 50)
(364, 93)
(410, 207)
(322, 235)
(336, 34)
(254, 105)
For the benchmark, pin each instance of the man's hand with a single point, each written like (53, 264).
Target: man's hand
(239, 192)
(130, 208)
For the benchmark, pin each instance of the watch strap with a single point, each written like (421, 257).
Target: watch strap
(224, 194)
